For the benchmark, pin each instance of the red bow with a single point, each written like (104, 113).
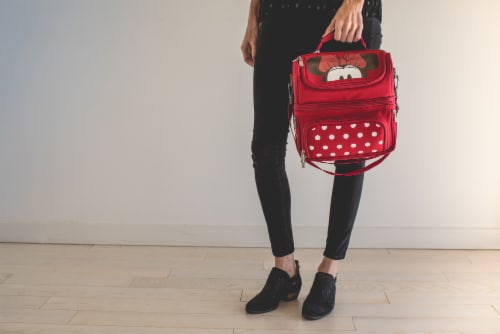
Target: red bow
(327, 62)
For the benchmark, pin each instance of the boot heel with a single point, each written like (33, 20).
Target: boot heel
(291, 296)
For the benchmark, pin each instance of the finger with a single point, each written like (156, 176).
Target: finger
(247, 56)
(351, 34)
(358, 34)
(345, 31)
(244, 51)
(359, 30)
(249, 60)
(250, 54)
(338, 30)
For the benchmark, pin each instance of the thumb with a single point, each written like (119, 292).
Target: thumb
(253, 47)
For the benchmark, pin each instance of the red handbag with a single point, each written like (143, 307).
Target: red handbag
(344, 107)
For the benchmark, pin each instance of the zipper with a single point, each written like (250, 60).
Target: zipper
(308, 125)
(303, 158)
(396, 84)
(341, 84)
(358, 104)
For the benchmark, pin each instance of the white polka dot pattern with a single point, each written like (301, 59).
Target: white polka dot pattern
(355, 138)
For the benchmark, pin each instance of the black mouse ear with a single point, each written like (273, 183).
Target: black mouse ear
(371, 61)
(313, 66)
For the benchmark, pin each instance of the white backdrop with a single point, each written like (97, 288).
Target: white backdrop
(129, 122)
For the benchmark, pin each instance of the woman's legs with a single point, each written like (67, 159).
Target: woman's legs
(282, 37)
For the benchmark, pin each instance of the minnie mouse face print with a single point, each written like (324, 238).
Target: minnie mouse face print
(350, 66)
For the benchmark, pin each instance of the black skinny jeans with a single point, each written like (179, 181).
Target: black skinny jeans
(286, 30)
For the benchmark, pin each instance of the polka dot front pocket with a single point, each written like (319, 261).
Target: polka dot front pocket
(328, 141)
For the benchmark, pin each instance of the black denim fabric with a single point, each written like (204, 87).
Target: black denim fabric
(288, 29)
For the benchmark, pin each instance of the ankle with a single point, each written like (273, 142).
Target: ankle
(329, 266)
(287, 264)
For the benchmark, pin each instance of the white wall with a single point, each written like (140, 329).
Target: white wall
(129, 121)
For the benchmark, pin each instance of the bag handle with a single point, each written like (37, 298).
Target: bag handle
(329, 37)
(354, 172)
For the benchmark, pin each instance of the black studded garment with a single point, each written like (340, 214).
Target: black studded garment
(268, 7)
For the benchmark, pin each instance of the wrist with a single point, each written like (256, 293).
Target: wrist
(355, 2)
(252, 24)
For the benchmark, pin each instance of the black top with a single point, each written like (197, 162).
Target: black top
(370, 7)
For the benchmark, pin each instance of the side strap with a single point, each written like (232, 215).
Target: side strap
(354, 172)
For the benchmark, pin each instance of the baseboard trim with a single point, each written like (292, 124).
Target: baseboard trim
(245, 236)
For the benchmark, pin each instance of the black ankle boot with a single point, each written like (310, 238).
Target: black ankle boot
(279, 286)
(321, 299)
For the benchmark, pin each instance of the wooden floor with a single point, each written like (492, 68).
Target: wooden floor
(60, 289)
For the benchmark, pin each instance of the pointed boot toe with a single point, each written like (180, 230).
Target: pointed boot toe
(321, 299)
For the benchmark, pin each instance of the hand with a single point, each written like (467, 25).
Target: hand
(250, 43)
(347, 22)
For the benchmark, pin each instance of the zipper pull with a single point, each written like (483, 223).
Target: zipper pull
(303, 158)
(396, 83)
(299, 59)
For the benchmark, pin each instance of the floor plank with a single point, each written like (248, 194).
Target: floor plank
(240, 320)
(35, 316)
(199, 283)
(92, 278)
(26, 302)
(106, 304)
(416, 311)
(155, 253)
(428, 324)
(9, 328)
(446, 299)
(70, 291)
(251, 331)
